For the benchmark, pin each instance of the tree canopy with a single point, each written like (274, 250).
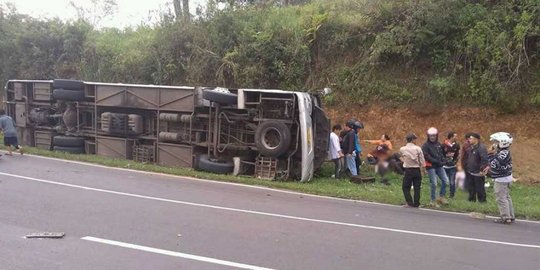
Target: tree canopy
(474, 52)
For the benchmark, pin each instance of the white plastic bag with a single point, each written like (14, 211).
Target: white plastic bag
(460, 179)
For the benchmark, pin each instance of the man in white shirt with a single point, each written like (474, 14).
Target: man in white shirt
(334, 149)
(413, 161)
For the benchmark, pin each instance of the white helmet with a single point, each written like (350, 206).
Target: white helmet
(432, 131)
(504, 139)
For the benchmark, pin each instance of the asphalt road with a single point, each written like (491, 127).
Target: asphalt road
(119, 219)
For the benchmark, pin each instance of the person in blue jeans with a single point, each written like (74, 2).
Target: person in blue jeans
(348, 148)
(435, 159)
(451, 152)
(357, 148)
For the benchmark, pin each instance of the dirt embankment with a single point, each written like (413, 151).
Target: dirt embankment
(397, 122)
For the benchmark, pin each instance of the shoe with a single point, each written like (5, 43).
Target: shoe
(503, 221)
(333, 176)
(451, 195)
(442, 201)
(434, 204)
(512, 220)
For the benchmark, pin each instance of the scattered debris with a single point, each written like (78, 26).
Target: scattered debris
(46, 235)
(362, 179)
(477, 215)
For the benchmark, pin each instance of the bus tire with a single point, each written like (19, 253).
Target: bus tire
(220, 97)
(272, 138)
(208, 164)
(69, 149)
(68, 141)
(68, 84)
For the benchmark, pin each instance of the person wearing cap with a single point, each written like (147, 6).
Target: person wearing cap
(434, 155)
(357, 147)
(500, 169)
(413, 160)
(476, 163)
(348, 148)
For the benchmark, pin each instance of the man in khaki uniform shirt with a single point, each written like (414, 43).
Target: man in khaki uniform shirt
(413, 159)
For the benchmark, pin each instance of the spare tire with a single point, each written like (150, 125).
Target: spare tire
(69, 141)
(220, 97)
(69, 149)
(68, 84)
(272, 138)
(70, 95)
(208, 164)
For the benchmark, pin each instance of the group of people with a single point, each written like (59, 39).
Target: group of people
(346, 152)
(446, 161)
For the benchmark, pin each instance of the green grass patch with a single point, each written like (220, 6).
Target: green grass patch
(526, 198)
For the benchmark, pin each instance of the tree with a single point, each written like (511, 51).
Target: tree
(96, 11)
(181, 10)
(177, 9)
(185, 6)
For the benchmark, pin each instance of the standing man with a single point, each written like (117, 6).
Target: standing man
(451, 151)
(357, 148)
(500, 168)
(334, 150)
(476, 164)
(434, 155)
(462, 161)
(413, 159)
(349, 147)
(10, 133)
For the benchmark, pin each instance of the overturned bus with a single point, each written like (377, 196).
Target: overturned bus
(270, 134)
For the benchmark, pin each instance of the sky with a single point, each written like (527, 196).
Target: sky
(128, 12)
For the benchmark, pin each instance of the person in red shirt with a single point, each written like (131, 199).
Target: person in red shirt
(380, 155)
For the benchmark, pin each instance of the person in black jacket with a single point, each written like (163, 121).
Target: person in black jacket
(348, 147)
(476, 164)
(435, 159)
(451, 151)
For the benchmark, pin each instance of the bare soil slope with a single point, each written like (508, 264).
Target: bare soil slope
(397, 122)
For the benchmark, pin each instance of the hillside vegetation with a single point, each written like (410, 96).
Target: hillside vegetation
(482, 52)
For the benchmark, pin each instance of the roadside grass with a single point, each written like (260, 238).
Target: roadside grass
(526, 198)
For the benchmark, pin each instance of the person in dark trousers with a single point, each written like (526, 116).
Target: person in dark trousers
(462, 164)
(348, 148)
(334, 150)
(434, 155)
(451, 151)
(358, 148)
(476, 164)
(413, 160)
(500, 169)
(10, 133)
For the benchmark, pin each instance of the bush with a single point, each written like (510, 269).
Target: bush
(472, 52)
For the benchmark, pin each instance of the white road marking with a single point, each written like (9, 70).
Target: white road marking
(173, 253)
(275, 215)
(257, 187)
